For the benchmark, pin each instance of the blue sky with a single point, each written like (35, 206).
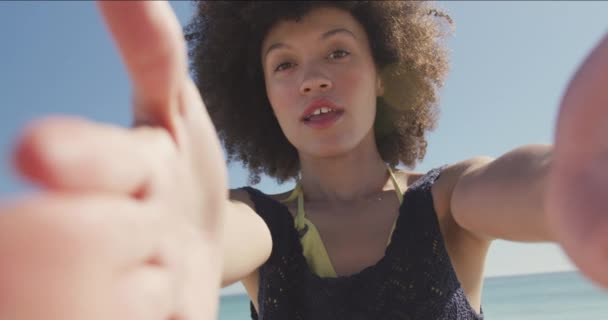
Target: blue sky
(511, 62)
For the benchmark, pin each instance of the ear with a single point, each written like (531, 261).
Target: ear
(379, 87)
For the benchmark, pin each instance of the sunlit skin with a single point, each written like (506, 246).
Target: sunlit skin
(326, 55)
(144, 235)
(321, 57)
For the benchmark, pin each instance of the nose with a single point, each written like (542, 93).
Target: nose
(315, 83)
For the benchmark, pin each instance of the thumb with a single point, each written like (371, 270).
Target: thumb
(151, 44)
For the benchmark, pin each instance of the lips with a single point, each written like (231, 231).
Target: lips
(320, 107)
(321, 114)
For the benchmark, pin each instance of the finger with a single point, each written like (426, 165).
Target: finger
(78, 155)
(146, 293)
(83, 232)
(164, 94)
(150, 40)
(66, 251)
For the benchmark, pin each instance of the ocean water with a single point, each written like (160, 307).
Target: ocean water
(546, 296)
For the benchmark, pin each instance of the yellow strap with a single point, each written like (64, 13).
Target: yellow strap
(298, 194)
(400, 196)
(396, 186)
(295, 193)
(314, 250)
(313, 247)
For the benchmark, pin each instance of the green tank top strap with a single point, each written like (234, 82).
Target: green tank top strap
(396, 185)
(313, 248)
(297, 194)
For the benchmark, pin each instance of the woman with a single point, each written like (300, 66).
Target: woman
(346, 99)
(324, 63)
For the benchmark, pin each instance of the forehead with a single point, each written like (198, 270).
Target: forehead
(315, 22)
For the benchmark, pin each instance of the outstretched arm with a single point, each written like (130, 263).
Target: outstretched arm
(550, 193)
(503, 198)
(151, 42)
(129, 223)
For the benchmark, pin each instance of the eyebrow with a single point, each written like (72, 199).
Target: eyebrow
(324, 36)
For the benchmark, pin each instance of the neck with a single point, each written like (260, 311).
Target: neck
(344, 178)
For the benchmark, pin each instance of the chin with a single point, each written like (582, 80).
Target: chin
(329, 149)
(334, 144)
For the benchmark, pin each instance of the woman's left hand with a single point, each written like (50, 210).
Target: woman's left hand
(576, 201)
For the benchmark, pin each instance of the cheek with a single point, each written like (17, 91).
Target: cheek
(281, 102)
(279, 94)
(360, 81)
(360, 88)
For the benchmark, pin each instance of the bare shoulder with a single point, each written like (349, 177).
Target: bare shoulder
(444, 186)
(467, 251)
(450, 175)
(443, 189)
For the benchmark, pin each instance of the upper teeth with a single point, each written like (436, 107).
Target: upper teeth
(322, 110)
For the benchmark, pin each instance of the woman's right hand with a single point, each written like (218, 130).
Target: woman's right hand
(128, 222)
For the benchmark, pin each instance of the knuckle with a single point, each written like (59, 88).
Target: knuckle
(158, 146)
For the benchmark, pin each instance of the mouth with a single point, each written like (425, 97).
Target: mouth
(321, 113)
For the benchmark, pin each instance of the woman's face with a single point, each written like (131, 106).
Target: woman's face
(321, 81)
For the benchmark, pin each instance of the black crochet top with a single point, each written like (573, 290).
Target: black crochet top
(414, 280)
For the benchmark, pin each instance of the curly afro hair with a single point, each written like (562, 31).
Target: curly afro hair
(406, 39)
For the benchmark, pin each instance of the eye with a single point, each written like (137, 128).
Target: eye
(283, 66)
(338, 54)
